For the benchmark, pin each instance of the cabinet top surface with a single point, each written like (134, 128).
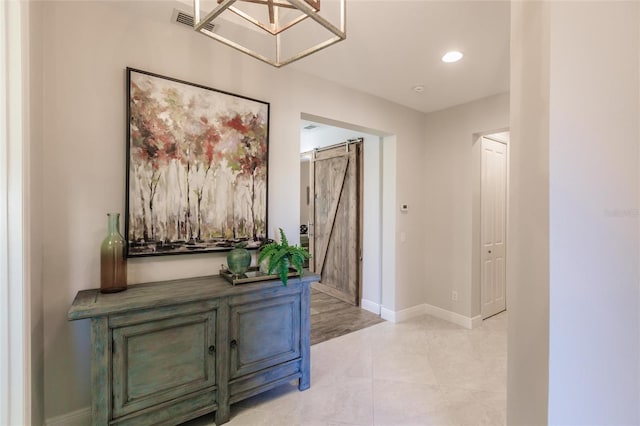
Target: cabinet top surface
(92, 303)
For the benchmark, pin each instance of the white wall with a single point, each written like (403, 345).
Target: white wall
(574, 289)
(372, 225)
(372, 209)
(452, 167)
(83, 129)
(594, 170)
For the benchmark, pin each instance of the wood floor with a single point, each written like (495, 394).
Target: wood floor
(331, 317)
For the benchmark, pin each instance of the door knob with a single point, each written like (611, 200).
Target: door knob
(233, 343)
(212, 349)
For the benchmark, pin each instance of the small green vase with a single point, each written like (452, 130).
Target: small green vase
(238, 260)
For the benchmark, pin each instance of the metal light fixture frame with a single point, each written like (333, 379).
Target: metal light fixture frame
(339, 34)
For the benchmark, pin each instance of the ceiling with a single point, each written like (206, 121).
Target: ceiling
(395, 45)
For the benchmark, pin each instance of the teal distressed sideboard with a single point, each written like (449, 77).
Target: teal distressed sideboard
(166, 352)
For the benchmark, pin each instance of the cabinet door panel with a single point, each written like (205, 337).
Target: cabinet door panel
(265, 332)
(255, 383)
(172, 412)
(159, 360)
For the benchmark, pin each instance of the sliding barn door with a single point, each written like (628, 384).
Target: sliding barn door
(336, 208)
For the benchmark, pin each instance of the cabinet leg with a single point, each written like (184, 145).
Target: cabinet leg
(305, 347)
(223, 414)
(304, 382)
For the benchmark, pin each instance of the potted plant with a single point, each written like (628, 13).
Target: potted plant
(279, 256)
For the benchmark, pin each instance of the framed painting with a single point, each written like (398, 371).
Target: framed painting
(197, 167)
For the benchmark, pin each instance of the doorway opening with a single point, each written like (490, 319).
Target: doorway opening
(340, 197)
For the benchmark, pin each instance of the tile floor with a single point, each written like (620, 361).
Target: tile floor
(425, 371)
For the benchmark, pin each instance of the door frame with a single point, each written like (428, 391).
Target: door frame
(381, 264)
(15, 226)
(493, 136)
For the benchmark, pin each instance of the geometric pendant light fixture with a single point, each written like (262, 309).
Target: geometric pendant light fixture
(277, 32)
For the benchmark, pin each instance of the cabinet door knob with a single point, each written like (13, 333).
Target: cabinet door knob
(212, 349)
(234, 343)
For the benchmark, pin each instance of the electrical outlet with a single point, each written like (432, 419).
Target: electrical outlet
(454, 296)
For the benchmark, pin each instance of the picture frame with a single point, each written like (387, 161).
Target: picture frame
(197, 167)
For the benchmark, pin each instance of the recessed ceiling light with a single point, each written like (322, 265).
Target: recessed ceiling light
(418, 89)
(453, 56)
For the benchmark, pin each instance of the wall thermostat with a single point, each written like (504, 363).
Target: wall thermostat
(404, 207)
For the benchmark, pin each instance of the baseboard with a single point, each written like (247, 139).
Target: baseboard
(476, 321)
(426, 309)
(403, 315)
(409, 313)
(370, 306)
(453, 317)
(388, 314)
(81, 417)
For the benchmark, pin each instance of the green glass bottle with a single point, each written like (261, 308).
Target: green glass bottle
(113, 263)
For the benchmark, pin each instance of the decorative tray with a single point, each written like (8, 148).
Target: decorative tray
(251, 276)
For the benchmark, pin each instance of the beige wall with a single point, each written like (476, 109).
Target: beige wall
(86, 47)
(528, 230)
(36, 218)
(452, 179)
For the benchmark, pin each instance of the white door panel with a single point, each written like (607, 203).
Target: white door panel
(493, 228)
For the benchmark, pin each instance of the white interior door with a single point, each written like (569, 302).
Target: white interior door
(494, 221)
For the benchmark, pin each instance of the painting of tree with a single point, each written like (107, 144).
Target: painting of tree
(248, 158)
(197, 172)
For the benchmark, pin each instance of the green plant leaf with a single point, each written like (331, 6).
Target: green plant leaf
(267, 251)
(283, 237)
(282, 255)
(283, 271)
